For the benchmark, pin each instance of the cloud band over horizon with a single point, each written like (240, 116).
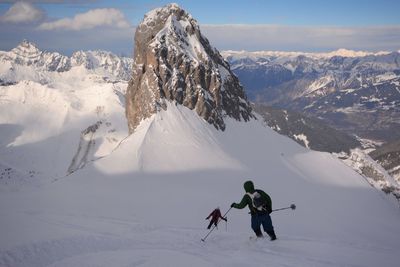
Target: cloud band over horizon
(93, 18)
(303, 38)
(109, 29)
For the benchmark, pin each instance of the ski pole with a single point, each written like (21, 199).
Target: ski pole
(293, 207)
(212, 229)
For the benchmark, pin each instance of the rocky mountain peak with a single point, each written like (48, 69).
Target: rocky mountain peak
(173, 61)
(26, 53)
(27, 46)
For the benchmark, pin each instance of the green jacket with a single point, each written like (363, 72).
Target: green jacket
(247, 201)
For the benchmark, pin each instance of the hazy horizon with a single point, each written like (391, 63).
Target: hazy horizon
(306, 26)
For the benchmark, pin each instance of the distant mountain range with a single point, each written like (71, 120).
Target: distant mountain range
(357, 92)
(27, 62)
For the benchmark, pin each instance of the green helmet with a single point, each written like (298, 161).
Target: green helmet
(248, 187)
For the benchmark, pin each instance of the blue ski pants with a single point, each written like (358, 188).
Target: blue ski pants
(261, 219)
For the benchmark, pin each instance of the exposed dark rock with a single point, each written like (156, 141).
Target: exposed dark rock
(388, 156)
(173, 61)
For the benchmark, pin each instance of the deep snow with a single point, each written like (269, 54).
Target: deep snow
(145, 203)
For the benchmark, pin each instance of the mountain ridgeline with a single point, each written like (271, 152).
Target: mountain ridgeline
(356, 92)
(28, 62)
(173, 61)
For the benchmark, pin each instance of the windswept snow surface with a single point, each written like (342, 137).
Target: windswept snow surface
(144, 204)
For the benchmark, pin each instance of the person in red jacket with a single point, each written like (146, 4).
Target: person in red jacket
(215, 216)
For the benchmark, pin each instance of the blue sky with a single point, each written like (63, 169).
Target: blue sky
(289, 12)
(302, 25)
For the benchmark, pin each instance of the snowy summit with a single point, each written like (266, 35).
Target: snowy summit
(173, 61)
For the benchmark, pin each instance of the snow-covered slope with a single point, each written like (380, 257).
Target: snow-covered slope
(76, 190)
(145, 203)
(53, 122)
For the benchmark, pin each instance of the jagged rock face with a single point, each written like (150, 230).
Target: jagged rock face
(174, 62)
(26, 53)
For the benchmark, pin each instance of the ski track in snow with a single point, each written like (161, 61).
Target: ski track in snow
(178, 247)
(108, 218)
(163, 246)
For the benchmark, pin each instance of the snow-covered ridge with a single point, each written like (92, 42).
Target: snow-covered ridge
(68, 110)
(27, 61)
(154, 14)
(342, 52)
(180, 30)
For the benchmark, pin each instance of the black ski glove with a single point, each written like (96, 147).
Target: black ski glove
(233, 205)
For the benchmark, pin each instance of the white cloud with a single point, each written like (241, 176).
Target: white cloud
(302, 38)
(110, 17)
(223, 37)
(22, 12)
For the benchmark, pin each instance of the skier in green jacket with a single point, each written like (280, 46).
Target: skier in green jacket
(260, 206)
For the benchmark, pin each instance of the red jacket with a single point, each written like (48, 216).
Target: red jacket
(215, 214)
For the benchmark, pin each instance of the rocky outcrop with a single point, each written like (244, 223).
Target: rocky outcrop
(389, 157)
(173, 61)
(373, 172)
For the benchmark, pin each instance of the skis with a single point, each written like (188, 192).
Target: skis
(255, 238)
